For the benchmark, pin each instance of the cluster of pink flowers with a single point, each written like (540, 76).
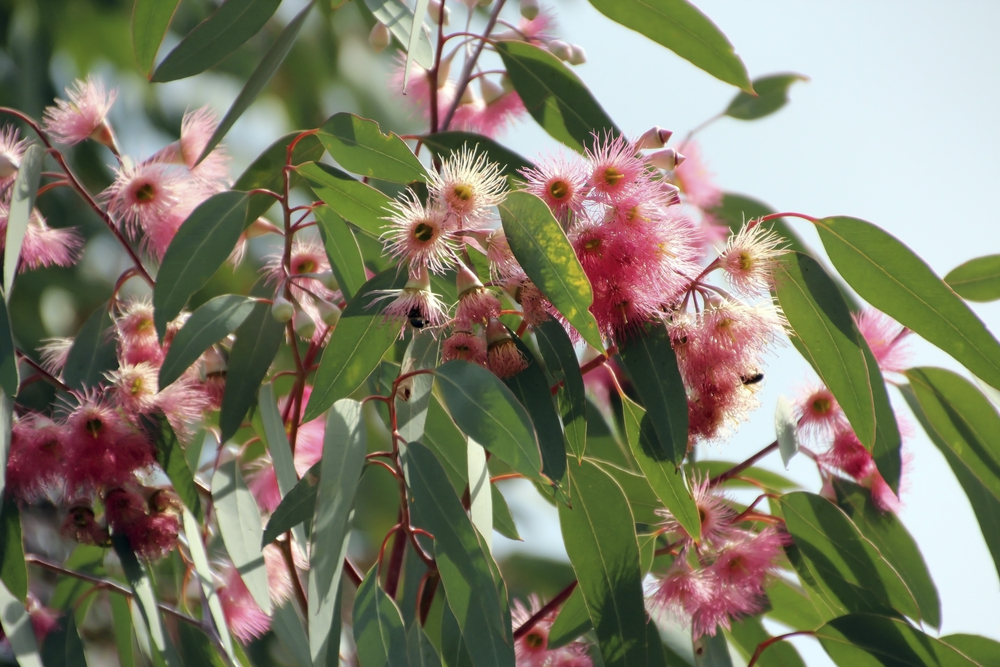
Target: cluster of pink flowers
(100, 450)
(724, 575)
(532, 649)
(822, 420)
(306, 291)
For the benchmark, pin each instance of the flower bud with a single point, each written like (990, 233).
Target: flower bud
(213, 362)
(672, 193)
(328, 312)
(667, 159)
(434, 9)
(444, 69)
(259, 227)
(468, 97)
(282, 309)
(379, 37)
(654, 137)
(506, 83)
(491, 91)
(8, 167)
(466, 280)
(304, 325)
(328, 279)
(560, 49)
(578, 56)
(529, 9)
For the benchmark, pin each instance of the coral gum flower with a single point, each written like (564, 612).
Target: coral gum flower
(886, 338)
(819, 414)
(36, 458)
(748, 259)
(419, 235)
(42, 245)
(466, 346)
(12, 149)
(695, 179)
(614, 167)
(560, 182)
(83, 116)
(531, 650)
(504, 359)
(470, 186)
(243, 615)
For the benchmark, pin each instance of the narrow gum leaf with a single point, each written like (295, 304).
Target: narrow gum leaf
(150, 21)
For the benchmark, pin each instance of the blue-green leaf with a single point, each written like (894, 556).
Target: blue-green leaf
(342, 249)
(414, 395)
(268, 65)
(356, 202)
(150, 21)
(93, 352)
(344, 447)
(10, 380)
(199, 558)
(17, 627)
(257, 342)
(358, 145)
(379, 633)
(22, 202)
(564, 369)
(296, 507)
(543, 251)
(13, 570)
(554, 95)
(976, 280)
(239, 523)
(211, 322)
(227, 29)
(860, 640)
(682, 28)
(200, 247)
(399, 19)
(771, 94)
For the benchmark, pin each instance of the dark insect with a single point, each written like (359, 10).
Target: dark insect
(752, 379)
(416, 318)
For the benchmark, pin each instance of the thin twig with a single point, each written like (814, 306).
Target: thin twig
(546, 610)
(470, 63)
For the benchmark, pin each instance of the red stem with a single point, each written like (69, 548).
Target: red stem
(737, 469)
(545, 611)
(767, 642)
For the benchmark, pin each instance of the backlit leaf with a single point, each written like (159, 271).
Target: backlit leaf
(554, 95)
(296, 507)
(573, 620)
(93, 352)
(259, 78)
(22, 202)
(356, 202)
(541, 247)
(976, 280)
(344, 447)
(17, 627)
(211, 322)
(863, 640)
(712, 651)
(200, 247)
(239, 523)
(772, 94)
(356, 345)
(342, 250)
(206, 577)
(359, 146)
(748, 632)
(150, 21)
(266, 172)
(889, 276)
(257, 342)
(682, 28)
(827, 337)
(414, 396)
(379, 633)
(227, 29)
(399, 19)
(786, 430)
(13, 570)
(486, 410)
(564, 369)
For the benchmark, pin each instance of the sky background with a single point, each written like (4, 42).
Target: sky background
(897, 126)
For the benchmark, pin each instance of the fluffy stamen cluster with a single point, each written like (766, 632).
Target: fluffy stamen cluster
(315, 295)
(532, 649)
(722, 577)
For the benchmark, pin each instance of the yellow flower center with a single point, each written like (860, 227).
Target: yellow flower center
(612, 176)
(462, 191)
(534, 640)
(145, 193)
(559, 189)
(423, 232)
(822, 406)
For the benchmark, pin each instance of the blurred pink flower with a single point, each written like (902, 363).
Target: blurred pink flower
(84, 116)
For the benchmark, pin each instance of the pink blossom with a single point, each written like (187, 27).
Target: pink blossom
(43, 246)
(54, 353)
(137, 338)
(490, 119)
(749, 257)
(415, 303)
(614, 167)
(279, 579)
(886, 338)
(819, 414)
(36, 458)
(476, 303)
(466, 346)
(244, 616)
(470, 186)
(419, 235)
(560, 182)
(531, 649)
(12, 149)
(81, 526)
(307, 264)
(716, 516)
(695, 179)
(84, 116)
(135, 387)
(262, 481)
(504, 359)
(150, 535)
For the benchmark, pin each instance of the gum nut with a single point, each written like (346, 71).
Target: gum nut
(379, 37)
(282, 309)
(304, 325)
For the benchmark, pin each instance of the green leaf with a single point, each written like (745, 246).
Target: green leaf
(682, 28)
(200, 247)
(443, 144)
(356, 202)
(122, 622)
(564, 369)
(414, 396)
(786, 429)
(554, 95)
(480, 492)
(827, 337)
(86, 559)
(342, 249)
(63, 646)
(272, 430)
(796, 608)
(867, 640)
(652, 365)
(419, 13)
(227, 29)
(449, 445)
(399, 19)
(290, 631)
(665, 478)
(144, 600)
(641, 498)
(356, 345)
(197, 649)
(257, 342)
(712, 651)
(976, 280)
(267, 171)
(150, 21)
(10, 380)
(573, 620)
(13, 570)
(984, 651)
(851, 566)
(344, 446)
(93, 352)
(239, 523)
(22, 202)
(454, 647)
(894, 543)
(17, 627)
(486, 410)
(379, 632)
(747, 633)
(533, 391)
(199, 558)
(170, 456)
(964, 425)
(296, 507)
(772, 94)
(503, 521)
(599, 533)
(419, 648)
(541, 247)
(211, 322)
(890, 277)
(464, 565)
(259, 78)
(358, 145)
